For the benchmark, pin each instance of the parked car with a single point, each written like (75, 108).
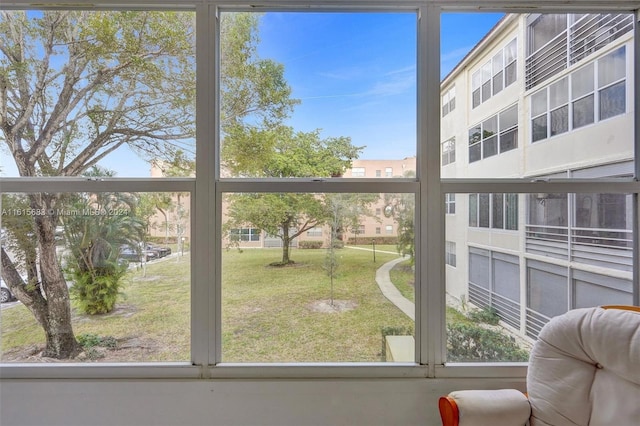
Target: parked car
(133, 255)
(5, 293)
(160, 251)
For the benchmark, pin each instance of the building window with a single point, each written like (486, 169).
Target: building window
(245, 234)
(389, 229)
(378, 173)
(558, 41)
(315, 232)
(597, 87)
(449, 101)
(450, 203)
(494, 75)
(495, 135)
(388, 172)
(450, 253)
(497, 211)
(449, 151)
(357, 172)
(378, 231)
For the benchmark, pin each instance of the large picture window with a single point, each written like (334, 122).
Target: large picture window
(234, 182)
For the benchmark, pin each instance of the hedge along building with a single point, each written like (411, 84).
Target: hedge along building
(543, 97)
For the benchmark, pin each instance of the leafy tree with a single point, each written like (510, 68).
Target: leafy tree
(75, 87)
(288, 215)
(402, 207)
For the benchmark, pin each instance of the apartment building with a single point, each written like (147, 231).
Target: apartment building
(544, 97)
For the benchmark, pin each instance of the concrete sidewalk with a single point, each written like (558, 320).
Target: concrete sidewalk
(391, 292)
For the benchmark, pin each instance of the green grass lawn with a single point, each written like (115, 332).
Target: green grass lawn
(268, 314)
(272, 314)
(151, 319)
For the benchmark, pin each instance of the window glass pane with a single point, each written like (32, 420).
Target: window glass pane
(96, 97)
(509, 140)
(483, 209)
(612, 101)
(558, 93)
(476, 80)
(486, 91)
(473, 210)
(497, 83)
(559, 120)
(539, 126)
(612, 67)
(582, 82)
(476, 98)
(511, 208)
(509, 118)
(511, 51)
(545, 29)
(497, 220)
(539, 103)
(496, 63)
(490, 127)
(296, 298)
(115, 268)
(475, 153)
(301, 85)
(583, 112)
(510, 74)
(474, 135)
(490, 147)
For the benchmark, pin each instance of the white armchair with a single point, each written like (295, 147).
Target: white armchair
(583, 370)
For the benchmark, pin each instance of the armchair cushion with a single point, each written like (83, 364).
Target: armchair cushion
(504, 407)
(585, 369)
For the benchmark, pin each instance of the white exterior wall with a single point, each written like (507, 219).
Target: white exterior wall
(569, 151)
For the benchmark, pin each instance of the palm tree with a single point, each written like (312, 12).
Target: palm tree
(96, 227)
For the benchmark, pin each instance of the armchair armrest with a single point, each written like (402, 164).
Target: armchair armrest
(504, 407)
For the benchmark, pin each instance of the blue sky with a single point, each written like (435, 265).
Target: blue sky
(355, 75)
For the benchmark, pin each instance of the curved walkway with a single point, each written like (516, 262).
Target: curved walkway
(391, 292)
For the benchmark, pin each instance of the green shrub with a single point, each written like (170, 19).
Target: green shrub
(310, 244)
(95, 292)
(487, 315)
(473, 343)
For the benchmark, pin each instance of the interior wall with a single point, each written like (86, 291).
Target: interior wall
(397, 402)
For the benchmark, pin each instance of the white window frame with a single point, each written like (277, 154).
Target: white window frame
(449, 151)
(207, 189)
(595, 93)
(487, 72)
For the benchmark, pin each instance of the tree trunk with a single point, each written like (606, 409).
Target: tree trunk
(286, 241)
(54, 311)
